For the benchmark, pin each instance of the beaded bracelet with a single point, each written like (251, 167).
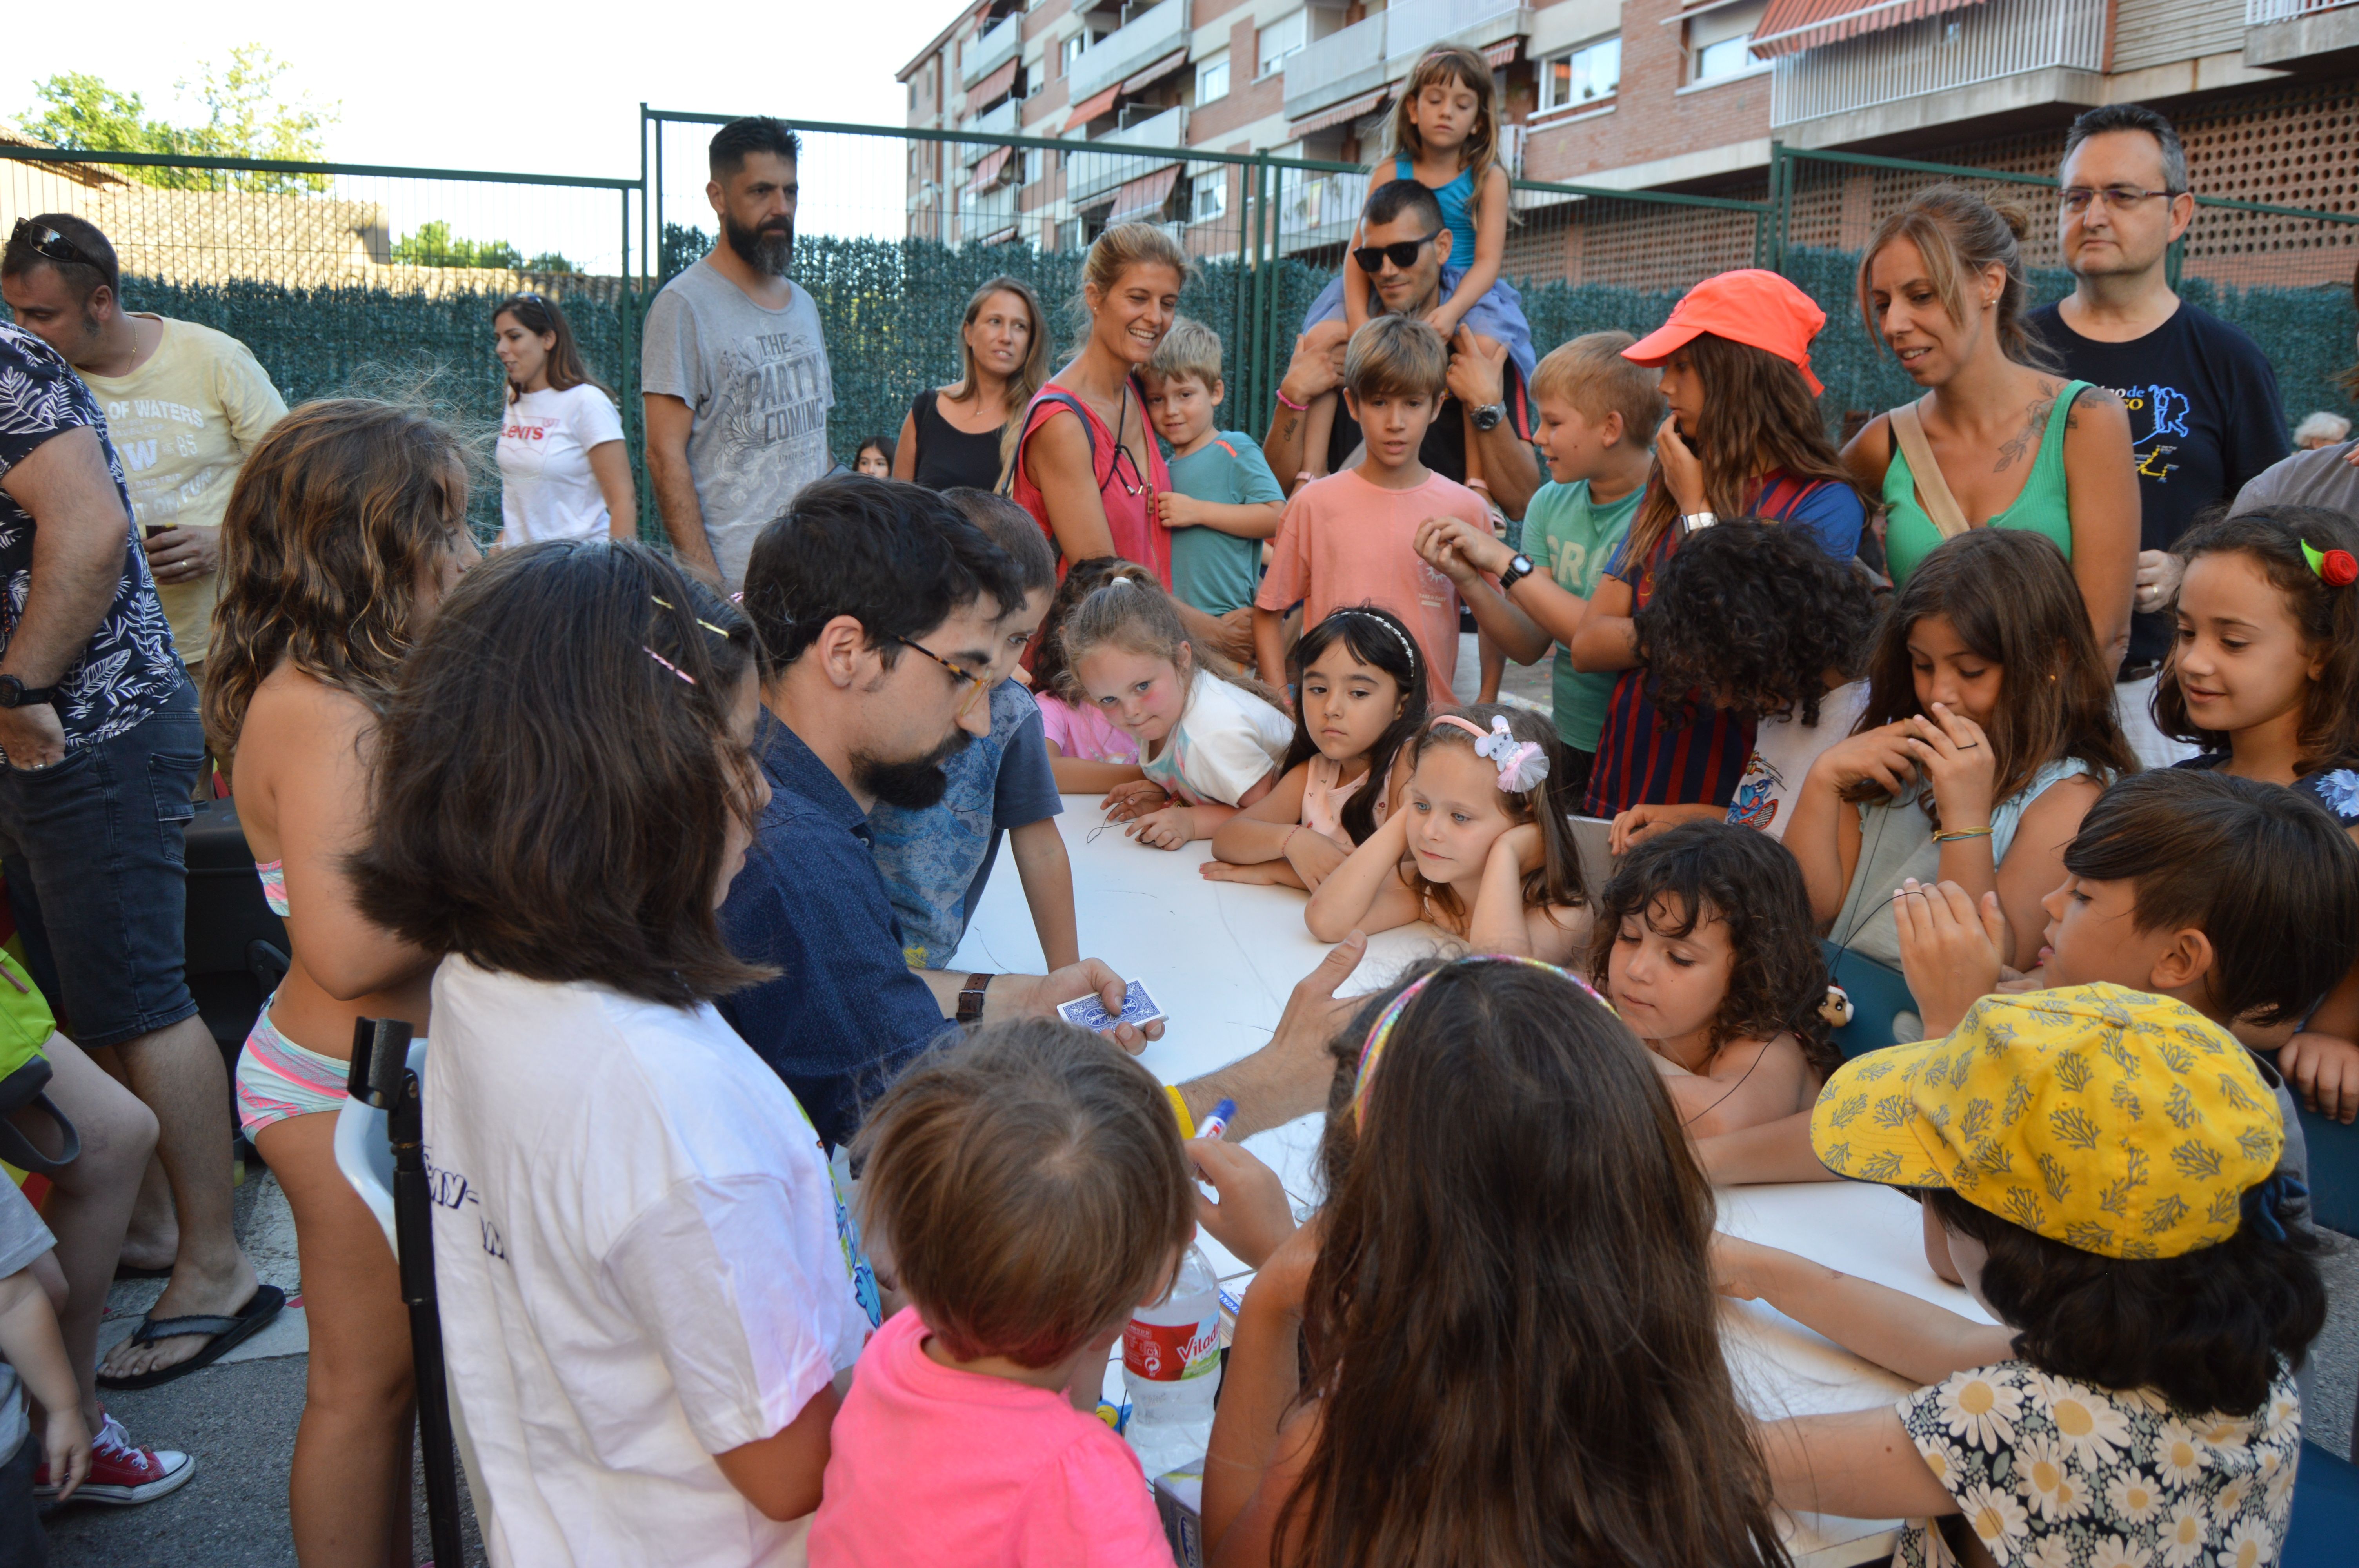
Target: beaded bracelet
(1289, 402)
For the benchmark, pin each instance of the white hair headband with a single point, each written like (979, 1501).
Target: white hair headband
(1522, 765)
(1406, 646)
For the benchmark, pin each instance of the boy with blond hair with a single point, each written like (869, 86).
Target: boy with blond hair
(1351, 538)
(1223, 501)
(1597, 413)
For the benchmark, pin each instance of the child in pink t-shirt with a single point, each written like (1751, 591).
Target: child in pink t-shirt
(959, 1442)
(1351, 538)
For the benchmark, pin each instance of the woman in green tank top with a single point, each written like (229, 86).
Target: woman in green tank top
(1942, 285)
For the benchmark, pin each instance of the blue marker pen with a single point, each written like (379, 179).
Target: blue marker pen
(1217, 1123)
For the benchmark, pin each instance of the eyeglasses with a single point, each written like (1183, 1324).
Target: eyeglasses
(1402, 251)
(975, 684)
(44, 241)
(2120, 198)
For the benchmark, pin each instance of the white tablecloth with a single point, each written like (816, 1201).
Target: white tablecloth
(1222, 957)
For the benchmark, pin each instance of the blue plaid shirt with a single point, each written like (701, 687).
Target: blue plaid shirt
(846, 1012)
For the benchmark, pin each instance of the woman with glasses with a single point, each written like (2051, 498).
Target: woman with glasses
(960, 435)
(1996, 441)
(564, 472)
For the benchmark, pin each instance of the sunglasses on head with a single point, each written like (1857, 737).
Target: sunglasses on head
(44, 241)
(1371, 258)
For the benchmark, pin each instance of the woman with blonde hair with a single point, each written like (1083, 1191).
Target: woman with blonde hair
(962, 434)
(1997, 441)
(348, 525)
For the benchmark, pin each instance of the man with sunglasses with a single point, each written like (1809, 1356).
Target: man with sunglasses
(1405, 245)
(879, 606)
(2205, 414)
(184, 404)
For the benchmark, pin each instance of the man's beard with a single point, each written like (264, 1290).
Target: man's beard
(914, 785)
(766, 249)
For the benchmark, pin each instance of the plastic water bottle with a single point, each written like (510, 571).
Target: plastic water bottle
(1171, 1364)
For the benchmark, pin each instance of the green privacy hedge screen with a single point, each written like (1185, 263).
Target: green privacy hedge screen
(892, 310)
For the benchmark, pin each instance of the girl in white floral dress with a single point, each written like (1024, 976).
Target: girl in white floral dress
(2100, 1161)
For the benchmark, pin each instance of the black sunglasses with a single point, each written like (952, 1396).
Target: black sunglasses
(1371, 258)
(44, 241)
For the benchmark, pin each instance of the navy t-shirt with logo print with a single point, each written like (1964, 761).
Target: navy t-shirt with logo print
(2205, 418)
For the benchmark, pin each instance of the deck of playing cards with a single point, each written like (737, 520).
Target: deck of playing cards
(1138, 1011)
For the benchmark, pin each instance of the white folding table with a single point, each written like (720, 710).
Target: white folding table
(1222, 957)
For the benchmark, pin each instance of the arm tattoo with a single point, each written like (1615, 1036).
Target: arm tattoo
(2035, 425)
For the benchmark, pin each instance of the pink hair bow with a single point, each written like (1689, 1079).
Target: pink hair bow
(1521, 763)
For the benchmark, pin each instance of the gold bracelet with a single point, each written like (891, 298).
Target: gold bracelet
(1961, 833)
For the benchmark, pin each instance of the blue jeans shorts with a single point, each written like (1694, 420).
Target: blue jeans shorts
(100, 836)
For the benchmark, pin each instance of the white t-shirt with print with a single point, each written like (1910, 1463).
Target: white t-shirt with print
(1783, 751)
(1226, 741)
(547, 491)
(640, 1263)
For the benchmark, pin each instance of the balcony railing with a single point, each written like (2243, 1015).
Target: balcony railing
(2261, 12)
(992, 48)
(998, 121)
(1095, 168)
(1140, 41)
(1317, 210)
(1367, 54)
(1414, 26)
(1334, 67)
(1981, 43)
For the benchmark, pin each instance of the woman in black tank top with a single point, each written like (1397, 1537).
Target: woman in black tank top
(954, 435)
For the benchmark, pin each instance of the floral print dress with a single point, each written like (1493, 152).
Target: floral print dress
(2054, 1473)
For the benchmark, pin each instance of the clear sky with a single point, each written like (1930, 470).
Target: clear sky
(438, 83)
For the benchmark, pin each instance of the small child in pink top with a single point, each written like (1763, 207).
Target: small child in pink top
(959, 1444)
(1351, 538)
(1088, 753)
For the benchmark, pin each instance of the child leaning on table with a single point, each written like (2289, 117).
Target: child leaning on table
(1223, 501)
(1511, 1212)
(32, 1354)
(1209, 740)
(936, 859)
(1027, 1191)
(2100, 1163)
(1089, 754)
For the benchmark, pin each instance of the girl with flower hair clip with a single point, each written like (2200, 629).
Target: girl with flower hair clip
(1476, 846)
(2263, 674)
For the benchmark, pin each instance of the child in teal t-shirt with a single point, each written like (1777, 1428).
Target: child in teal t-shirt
(1223, 501)
(1570, 538)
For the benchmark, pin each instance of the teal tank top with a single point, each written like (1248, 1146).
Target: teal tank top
(1909, 534)
(1457, 200)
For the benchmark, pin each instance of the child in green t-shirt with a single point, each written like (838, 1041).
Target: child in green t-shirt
(1598, 413)
(1223, 501)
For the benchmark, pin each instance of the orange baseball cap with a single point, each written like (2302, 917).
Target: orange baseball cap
(1752, 307)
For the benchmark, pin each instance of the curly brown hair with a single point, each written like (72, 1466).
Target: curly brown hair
(333, 514)
(1717, 870)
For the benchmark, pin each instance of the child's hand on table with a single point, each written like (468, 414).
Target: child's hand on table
(1951, 954)
(1127, 801)
(1260, 873)
(2324, 1070)
(1165, 829)
(1252, 1219)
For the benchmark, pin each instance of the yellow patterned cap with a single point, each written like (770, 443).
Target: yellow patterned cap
(2102, 1117)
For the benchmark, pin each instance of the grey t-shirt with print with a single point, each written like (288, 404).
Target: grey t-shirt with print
(757, 381)
(23, 1238)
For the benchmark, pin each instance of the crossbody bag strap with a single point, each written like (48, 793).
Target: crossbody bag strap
(1932, 489)
(1089, 434)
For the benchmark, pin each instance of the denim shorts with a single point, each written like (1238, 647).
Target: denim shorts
(102, 836)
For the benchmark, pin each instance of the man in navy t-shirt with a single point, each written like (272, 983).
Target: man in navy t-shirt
(2206, 415)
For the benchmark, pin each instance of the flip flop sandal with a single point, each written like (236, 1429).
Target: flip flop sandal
(134, 1271)
(228, 1334)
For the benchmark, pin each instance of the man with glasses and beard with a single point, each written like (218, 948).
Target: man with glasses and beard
(2206, 415)
(733, 365)
(879, 607)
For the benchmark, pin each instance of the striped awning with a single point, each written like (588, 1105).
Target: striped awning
(994, 88)
(1501, 53)
(1790, 27)
(1089, 108)
(998, 236)
(1145, 197)
(1139, 81)
(1342, 114)
(986, 172)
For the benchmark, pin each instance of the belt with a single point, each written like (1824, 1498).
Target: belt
(2139, 671)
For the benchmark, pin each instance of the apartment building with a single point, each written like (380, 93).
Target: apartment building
(1681, 95)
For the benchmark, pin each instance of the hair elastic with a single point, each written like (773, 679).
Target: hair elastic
(1380, 1034)
(667, 663)
(1522, 765)
(1406, 646)
(2335, 568)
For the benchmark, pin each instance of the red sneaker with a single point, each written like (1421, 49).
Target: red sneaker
(122, 1476)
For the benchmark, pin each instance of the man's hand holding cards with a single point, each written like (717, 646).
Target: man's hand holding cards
(1138, 1011)
(1092, 995)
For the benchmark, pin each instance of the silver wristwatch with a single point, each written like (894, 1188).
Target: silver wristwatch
(1692, 521)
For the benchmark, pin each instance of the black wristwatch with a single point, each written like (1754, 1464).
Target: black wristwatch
(1486, 418)
(1518, 568)
(15, 693)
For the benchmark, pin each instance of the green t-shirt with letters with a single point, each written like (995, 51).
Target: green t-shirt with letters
(1572, 541)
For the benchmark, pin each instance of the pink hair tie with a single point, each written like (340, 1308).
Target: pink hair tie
(1522, 765)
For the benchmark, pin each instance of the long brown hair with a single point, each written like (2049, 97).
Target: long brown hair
(1959, 234)
(2010, 598)
(541, 314)
(1758, 414)
(556, 774)
(1030, 376)
(333, 514)
(1513, 1333)
(1556, 883)
(1446, 63)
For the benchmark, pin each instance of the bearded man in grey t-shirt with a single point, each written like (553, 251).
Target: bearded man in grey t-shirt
(733, 366)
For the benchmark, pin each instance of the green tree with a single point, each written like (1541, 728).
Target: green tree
(433, 245)
(246, 116)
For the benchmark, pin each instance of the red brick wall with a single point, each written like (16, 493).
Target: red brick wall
(1651, 119)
